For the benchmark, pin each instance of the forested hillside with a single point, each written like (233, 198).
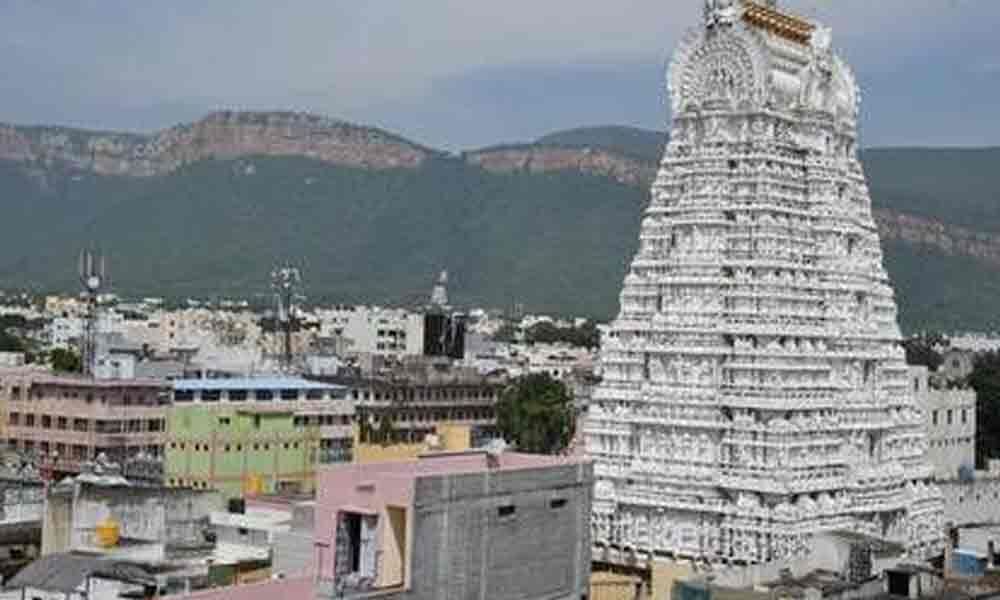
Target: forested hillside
(552, 234)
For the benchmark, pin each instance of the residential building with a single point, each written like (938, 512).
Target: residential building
(424, 394)
(754, 393)
(67, 421)
(77, 576)
(166, 532)
(956, 365)
(255, 435)
(950, 422)
(374, 330)
(370, 446)
(496, 525)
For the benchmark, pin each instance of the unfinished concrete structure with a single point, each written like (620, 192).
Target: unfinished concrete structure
(453, 526)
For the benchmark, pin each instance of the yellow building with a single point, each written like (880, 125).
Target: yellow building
(448, 438)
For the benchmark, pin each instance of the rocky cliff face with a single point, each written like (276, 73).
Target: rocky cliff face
(545, 159)
(219, 135)
(234, 134)
(893, 225)
(949, 239)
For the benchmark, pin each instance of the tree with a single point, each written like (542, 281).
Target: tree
(985, 379)
(536, 414)
(63, 360)
(923, 350)
(507, 333)
(10, 342)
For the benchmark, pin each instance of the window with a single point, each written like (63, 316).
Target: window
(934, 417)
(965, 416)
(256, 421)
(237, 395)
(224, 421)
(289, 395)
(244, 531)
(264, 395)
(314, 395)
(557, 503)
(183, 396)
(949, 416)
(211, 395)
(506, 510)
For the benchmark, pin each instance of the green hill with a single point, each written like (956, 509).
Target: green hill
(556, 242)
(630, 141)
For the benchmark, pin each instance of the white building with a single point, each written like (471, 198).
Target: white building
(754, 394)
(374, 330)
(950, 420)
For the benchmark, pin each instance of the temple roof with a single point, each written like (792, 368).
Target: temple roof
(778, 22)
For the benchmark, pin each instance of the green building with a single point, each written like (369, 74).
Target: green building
(255, 436)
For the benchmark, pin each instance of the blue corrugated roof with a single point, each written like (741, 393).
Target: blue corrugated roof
(253, 383)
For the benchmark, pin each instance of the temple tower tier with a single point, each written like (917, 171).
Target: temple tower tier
(754, 392)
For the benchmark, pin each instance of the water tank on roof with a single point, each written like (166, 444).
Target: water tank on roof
(253, 485)
(108, 532)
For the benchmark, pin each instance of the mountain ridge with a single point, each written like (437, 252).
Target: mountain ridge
(550, 223)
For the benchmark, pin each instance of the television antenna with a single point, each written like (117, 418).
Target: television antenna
(93, 277)
(286, 282)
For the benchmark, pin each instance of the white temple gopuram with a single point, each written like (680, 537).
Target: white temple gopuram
(754, 393)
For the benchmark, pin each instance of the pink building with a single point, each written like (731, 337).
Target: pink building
(69, 420)
(449, 525)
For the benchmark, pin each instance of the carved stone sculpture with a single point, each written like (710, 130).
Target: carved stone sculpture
(764, 382)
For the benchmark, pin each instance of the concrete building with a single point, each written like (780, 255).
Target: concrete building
(446, 438)
(425, 394)
(168, 532)
(451, 526)
(950, 422)
(754, 393)
(374, 330)
(956, 366)
(74, 576)
(67, 421)
(255, 435)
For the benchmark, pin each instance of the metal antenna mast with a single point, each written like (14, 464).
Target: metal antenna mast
(286, 281)
(92, 271)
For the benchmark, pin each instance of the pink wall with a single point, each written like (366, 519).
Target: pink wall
(302, 587)
(370, 487)
(367, 487)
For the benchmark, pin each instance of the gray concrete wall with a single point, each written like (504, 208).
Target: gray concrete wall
(463, 547)
(977, 501)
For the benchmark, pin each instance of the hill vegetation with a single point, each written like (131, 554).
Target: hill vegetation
(555, 241)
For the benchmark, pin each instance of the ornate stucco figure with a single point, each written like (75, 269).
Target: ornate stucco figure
(756, 347)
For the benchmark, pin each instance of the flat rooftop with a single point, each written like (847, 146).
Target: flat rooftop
(457, 463)
(81, 381)
(253, 383)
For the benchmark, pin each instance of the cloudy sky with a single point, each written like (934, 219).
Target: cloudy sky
(464, 73)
